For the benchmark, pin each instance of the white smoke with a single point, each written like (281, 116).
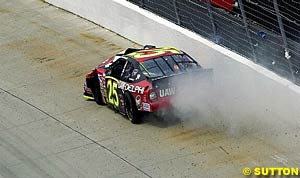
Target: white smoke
(201, 102)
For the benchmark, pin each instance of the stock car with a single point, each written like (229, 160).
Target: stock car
(138, 80)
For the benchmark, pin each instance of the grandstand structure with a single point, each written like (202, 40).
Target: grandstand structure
(266, 32)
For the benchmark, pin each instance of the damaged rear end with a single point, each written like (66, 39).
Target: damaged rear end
(166, 88)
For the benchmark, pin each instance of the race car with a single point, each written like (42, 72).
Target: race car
(138, 80)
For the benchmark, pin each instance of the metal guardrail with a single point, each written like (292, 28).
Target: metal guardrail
(266, 32)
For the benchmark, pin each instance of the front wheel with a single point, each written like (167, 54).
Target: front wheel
(131, 110)
(96, 92)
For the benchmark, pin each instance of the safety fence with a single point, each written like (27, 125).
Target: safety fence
(267, 32)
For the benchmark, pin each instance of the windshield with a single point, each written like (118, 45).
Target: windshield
(168, 65)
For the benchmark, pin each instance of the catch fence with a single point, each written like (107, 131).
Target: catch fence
(266, 32)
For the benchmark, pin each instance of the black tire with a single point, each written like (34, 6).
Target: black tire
(96, 92)
(131, 109)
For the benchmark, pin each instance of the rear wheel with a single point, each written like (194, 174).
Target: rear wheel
(131, 110)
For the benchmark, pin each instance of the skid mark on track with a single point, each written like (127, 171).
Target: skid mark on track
(4, 11)
(225, 151)
(192, 136)
(44, 59)
(95, 39)
(60, 61)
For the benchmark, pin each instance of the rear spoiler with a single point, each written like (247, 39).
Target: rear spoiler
(149, 46)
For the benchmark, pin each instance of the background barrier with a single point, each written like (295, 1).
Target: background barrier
(239, 82)
(267, 32)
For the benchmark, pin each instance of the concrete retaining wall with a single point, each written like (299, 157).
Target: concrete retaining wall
(241, 84)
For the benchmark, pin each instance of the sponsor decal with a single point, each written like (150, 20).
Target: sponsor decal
(138, 102)
(146, 106)
(129, 87)
(167, 92)
(138, 76)
(101, 81)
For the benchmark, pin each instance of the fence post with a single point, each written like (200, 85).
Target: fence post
(141, 3)
(176, 12)
(244, 16)
(284, 39)
(210, 12)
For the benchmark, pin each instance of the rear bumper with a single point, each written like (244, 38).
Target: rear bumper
(161, 104)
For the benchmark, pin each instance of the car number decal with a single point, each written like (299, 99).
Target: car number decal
(112, 86)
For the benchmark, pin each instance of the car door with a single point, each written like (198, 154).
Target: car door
(112, 78)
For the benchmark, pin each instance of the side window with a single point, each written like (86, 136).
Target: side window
(164, 66)
(179, 61)
(185, 62)
(128, 72)
(117, 68)
(152, 69)
(175, 67)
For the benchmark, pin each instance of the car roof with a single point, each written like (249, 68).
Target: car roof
(146, 54)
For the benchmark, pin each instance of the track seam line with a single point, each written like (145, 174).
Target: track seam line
(69, 127)
(25, 124)
(51, 154)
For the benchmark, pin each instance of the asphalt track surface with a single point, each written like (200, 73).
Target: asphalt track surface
(48, 130)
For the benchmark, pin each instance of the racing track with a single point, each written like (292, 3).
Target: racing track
(48, 130)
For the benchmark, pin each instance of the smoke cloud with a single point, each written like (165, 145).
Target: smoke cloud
(201, 102)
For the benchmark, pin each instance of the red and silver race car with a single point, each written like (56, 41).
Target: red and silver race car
(138, 80)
